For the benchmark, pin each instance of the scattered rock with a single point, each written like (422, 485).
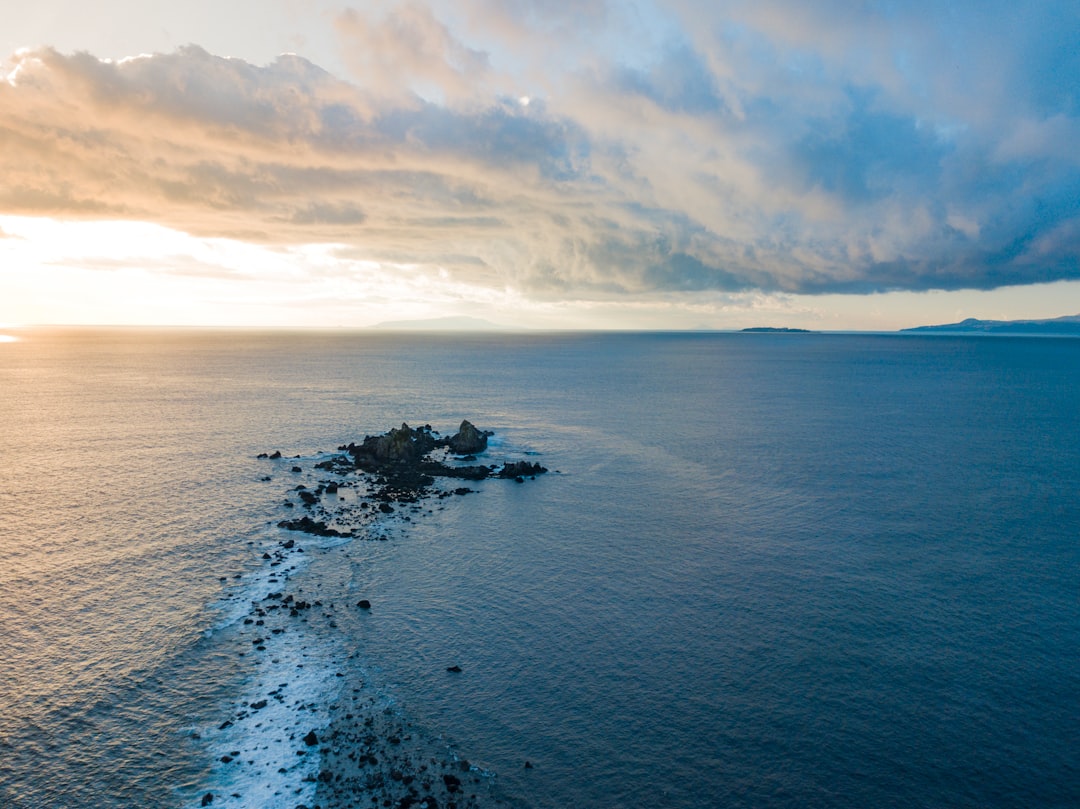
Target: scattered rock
(208, 799)
(388, 474)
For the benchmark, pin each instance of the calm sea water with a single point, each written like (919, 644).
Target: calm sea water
(771, 571)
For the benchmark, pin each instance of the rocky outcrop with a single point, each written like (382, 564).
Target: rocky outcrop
(401, 466)
(468, 440)
(402, 445)
(521, 469)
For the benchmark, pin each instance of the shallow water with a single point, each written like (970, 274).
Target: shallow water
(766, 570)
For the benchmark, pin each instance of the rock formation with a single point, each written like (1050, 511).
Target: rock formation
(402, 466)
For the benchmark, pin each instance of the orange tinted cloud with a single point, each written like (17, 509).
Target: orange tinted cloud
(758, 146)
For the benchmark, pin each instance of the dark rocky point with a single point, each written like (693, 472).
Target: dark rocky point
(468, 440)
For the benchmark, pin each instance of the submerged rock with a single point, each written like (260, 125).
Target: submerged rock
(310, 526)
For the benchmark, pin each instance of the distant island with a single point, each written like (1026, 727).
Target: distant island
(776, 329)
(1068, 325)
(442, 324)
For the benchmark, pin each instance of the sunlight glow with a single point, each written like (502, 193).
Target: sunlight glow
(22, 61)
(64, 272)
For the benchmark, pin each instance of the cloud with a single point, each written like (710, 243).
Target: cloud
(410, 46)
(769, 146)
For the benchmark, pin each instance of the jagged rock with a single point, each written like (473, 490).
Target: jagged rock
(311, 739)
(402, 444)
(521, 469)
(468, 440)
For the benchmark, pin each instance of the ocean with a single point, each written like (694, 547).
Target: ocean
(763, 570)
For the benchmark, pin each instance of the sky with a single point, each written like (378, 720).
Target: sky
(537, 163)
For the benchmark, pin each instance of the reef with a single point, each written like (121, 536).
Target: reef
(310, 723)
(399, 467)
